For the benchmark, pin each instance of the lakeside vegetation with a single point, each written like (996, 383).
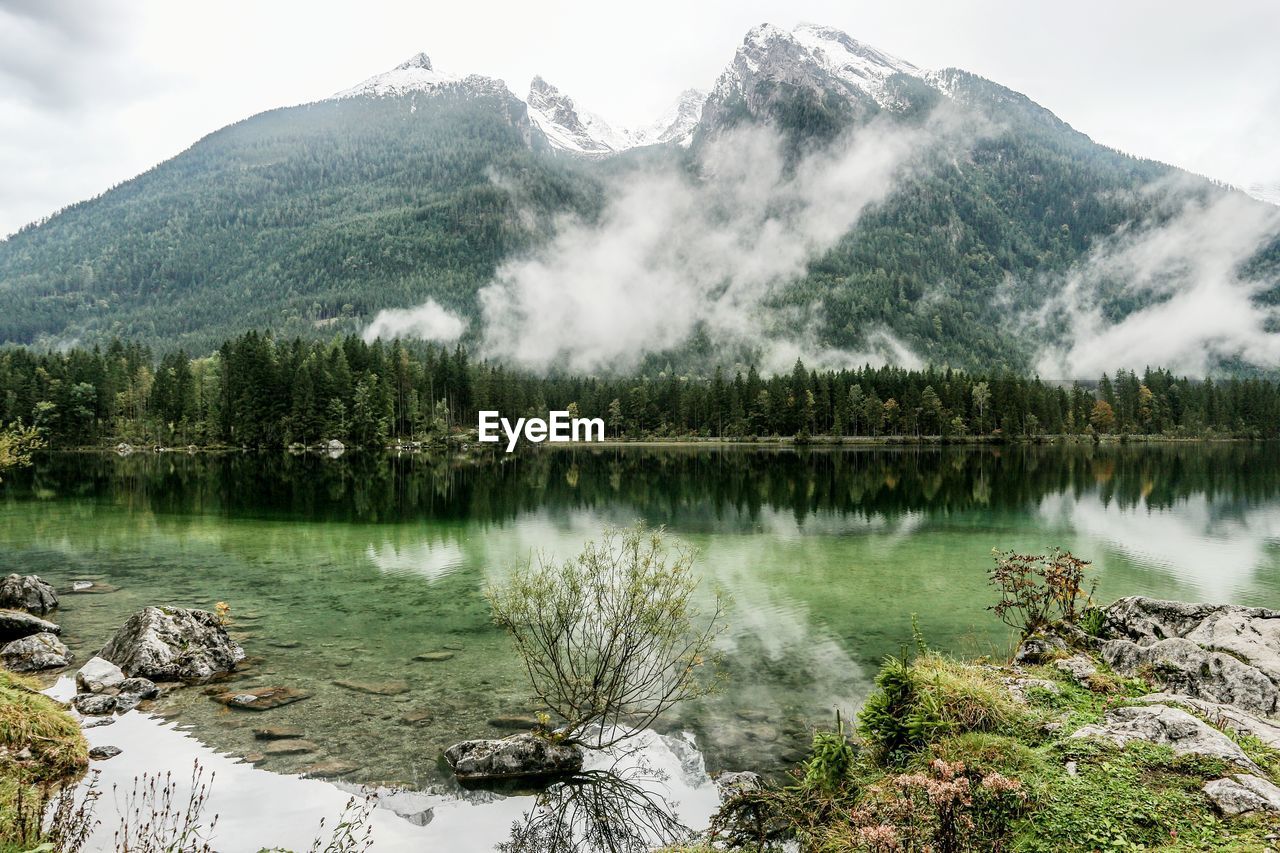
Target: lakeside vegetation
(257, 391)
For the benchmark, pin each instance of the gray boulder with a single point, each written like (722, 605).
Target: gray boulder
(94, 704)
(1250, 634)
(173, 644)
(16, 624)
(36, 652)
(27, 592)
(1079, 668)
(1040, 648)
(98, 674)
(1182, 666)
(143, 688)
(1223, 716)
(1162, 724)
(1243, 793)
(518, 756)
(734, 784)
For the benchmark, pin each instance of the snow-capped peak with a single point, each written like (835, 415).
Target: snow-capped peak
(415, 74)
(678, 123)
(809, 56)
(569, 127)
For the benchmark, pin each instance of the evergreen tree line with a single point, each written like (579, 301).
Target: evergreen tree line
(257, 391)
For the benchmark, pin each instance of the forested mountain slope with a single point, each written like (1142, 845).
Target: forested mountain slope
(308, 220)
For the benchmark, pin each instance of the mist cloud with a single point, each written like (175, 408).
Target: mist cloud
(1204, 311)
(430, 321)
(674, 255)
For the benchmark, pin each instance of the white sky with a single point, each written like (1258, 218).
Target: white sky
(93, 92)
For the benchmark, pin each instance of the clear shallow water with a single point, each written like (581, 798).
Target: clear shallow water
(345, 570)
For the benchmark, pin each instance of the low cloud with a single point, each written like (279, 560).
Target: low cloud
(430, 321)
(1200, 309)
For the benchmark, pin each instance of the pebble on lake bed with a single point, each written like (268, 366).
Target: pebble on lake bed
(261, 698)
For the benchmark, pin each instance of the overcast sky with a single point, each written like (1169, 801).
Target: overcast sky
(92, 92)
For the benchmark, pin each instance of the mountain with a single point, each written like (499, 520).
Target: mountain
(419, 184)
(570, 128)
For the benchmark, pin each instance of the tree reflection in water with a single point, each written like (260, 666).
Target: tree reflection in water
(617, 809)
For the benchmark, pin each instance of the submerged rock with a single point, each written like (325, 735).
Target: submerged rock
(36, 652)
(434, 657)
(518, 756)
(98, 674)
(375, 688)
(27, 592)
(173, 644)
(1243, 793)
(1162, 724)
(261, 698)
(289, 747)
(329, 768)
(277, 733)
(16, 624)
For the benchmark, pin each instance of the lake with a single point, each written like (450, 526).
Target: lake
(346, 570)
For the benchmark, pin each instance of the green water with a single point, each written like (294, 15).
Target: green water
(347, 569)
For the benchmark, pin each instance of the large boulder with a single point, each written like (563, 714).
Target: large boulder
(1181, 666)
(1162, 724)
(1226, 717)
(36, 652)
(27, 592)
(1243, 793)
(173, 644)
(519, 756)
(1251, 634)
(16, 624)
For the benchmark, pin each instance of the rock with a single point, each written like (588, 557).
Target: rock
(277, 733)
(375, 688)
(1243, 793)
(96, 722)
(518, 756)
(1182, 666)
(515, 722)
(1018, 687)
(1251, 634)
(16, 624)
(143, 688)
(1223, 716)
(36, 652)
(98, 674)
(102, 753)
(94, 704)
(29, 593)
(417, 718)
(434, 657)
(1079, 668)
(173, 644)
(289, 747)
(1162, 724)
(329, 768)
(1040, 648)
(732, 785)
(261, 698)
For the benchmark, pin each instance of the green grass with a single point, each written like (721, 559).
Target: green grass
(32, 721)
(1078, 794)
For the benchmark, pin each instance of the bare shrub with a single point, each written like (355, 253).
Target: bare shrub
(1037, 590)
(612, 638)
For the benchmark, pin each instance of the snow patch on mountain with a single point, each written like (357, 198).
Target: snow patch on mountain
(418, 75)
(678, 123)
(569, 127)
(1269, 193)
(852, 61)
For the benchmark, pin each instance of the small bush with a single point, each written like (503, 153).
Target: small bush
(1037, 590)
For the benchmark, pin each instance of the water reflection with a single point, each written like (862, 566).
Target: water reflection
(350, 570)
